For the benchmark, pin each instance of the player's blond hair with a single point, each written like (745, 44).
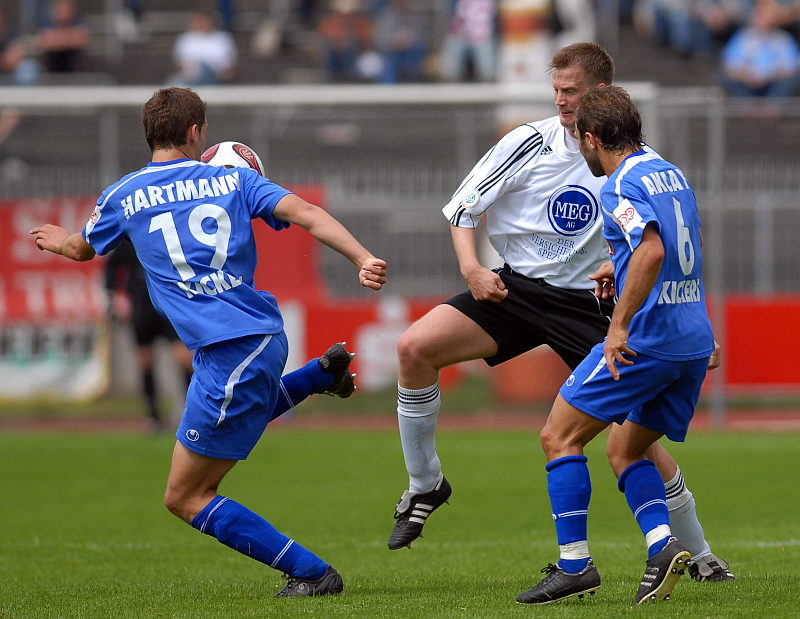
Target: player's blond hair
(591, 58)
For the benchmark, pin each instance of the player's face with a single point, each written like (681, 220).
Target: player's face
(569, 85)
(592, 157)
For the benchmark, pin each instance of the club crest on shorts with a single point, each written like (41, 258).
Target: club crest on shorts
(471, 199)
(572, 210)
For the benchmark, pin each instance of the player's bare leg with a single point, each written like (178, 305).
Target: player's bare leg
(193, 481)
(443, 337)
(705, 566)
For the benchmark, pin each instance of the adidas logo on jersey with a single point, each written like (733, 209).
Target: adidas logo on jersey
(547, 150)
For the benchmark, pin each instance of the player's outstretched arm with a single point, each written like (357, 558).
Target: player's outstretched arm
(485, 285)
(371, 270)
(60, 241)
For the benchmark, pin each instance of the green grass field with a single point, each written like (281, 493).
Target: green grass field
(85, 533)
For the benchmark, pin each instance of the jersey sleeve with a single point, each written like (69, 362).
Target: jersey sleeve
(103, 231)
(262, 195)
(630, 211)
(497, 172)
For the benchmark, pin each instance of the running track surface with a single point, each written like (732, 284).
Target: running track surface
(755, 420)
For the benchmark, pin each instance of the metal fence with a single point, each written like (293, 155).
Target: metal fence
(390, 157)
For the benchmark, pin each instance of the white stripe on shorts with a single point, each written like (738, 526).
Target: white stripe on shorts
(236, 375)
(600, 365)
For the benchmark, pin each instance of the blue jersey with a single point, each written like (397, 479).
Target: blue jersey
(673, 322)
(191, 226)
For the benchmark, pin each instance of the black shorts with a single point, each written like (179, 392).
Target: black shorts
(569, 321)
(149, 325)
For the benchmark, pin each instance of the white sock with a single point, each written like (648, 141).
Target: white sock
(417, 412)
(683, 517)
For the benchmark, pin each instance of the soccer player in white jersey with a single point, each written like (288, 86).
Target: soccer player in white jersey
(191, 226)
(647, 375)
(542, 211)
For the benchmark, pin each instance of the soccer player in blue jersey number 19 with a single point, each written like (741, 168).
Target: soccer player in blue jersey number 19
(191, 226)
(646, 375)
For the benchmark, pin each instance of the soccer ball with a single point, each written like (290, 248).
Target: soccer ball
(233, 155)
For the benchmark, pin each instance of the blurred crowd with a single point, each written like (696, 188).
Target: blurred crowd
(53, 38)
(753, 43)
(380, 41)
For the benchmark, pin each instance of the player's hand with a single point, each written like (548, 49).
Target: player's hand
(604, 280)
(615, 349)
(486, 285)
(714, 359)
(49, 237)
(372, 273)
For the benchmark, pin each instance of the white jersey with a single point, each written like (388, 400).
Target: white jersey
(545, 219)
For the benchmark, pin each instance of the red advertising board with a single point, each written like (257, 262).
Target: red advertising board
(53, 340)
(52, 312)
(38, 287)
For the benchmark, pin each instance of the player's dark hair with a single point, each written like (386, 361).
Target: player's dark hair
(608, 113)
(592, 59)
(169, 114)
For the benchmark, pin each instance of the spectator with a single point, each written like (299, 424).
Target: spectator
(346, 35)
(761, 60)
(400, 41)
(30, 15)
(227, 13)
(63, 38)
(203, 54)
(470, 45)
(15, 67)
(690, 27)
(713, 23)
(306, 10)
(786, 15)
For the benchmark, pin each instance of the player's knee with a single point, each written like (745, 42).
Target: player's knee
(614, 461)
(177, 504)
(409, 350)
(549, 441)
(620, 459)
(559, 440)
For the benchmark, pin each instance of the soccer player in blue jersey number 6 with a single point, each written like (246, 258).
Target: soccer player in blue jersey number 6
(646, 375)
(190, 224)
(540, 204)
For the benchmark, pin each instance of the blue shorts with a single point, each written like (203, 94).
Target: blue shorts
(232, 395)
(657, 394)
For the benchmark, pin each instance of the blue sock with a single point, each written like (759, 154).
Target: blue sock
(298, 385)
(570, 490)
(237, 527)
(644, 490)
